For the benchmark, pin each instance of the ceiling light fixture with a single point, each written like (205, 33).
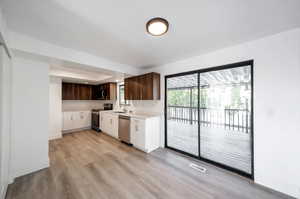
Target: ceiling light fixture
(157, 26)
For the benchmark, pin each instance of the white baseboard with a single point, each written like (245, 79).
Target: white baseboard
(291, 192)
(75, 130)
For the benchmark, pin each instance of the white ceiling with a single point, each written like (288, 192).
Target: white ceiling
(115, 29)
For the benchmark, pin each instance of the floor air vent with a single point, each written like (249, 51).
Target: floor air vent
(198, 168)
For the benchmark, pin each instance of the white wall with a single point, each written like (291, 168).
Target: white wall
(30, 116)
(5, 118)
(55, 108)
(276, 99)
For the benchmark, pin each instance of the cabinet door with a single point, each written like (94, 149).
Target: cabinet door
(81, 119)
(68, 92)
(112, 90)
(85, 92)
(135, 88)
(106, 124)
(146, 87)
(78, 92)
(110, 129)
(69, 121)
(103, 122)
(132, 87)
(126, 89)
(76, 120)
(137, 131)
(84, 119)
(115, 125)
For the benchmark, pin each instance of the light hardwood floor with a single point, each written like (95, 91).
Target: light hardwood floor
(89, 165)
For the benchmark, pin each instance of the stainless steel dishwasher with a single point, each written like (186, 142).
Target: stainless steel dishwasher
(124, 128)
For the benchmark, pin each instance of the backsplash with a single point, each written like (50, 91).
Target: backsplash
(149, 106)
(83, 105)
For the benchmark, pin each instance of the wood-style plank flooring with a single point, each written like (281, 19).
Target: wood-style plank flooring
(89, 165)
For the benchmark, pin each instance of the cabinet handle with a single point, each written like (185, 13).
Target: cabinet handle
(136, 128)
(110, 121)
(101, 118)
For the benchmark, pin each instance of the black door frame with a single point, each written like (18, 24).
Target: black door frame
(227, 66)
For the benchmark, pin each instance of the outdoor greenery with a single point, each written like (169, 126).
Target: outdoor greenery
(233, 97)
(183, 97)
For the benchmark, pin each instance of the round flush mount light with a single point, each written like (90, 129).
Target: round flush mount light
(157, 26)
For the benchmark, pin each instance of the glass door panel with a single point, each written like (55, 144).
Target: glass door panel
(182, 113)
(225, 117)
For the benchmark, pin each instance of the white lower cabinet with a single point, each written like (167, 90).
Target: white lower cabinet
(109, 123)
(114, 126)
(76, 120)
(103, 122)
(137, 133)
(144, 133)
(66, 121)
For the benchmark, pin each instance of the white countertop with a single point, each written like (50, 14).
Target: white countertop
(134, 115)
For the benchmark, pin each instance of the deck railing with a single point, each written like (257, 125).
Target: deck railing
(232, 119)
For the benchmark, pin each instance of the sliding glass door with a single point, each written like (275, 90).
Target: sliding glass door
(182, 113)
(209, 115)
(225, 135)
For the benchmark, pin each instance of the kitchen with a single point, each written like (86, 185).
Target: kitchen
(107, 107)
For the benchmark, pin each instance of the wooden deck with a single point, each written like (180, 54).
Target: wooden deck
(232, 148)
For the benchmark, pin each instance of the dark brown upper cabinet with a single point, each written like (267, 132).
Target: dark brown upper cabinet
(68, 91)
(143, 87)
(71, 91)
(85, 92)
